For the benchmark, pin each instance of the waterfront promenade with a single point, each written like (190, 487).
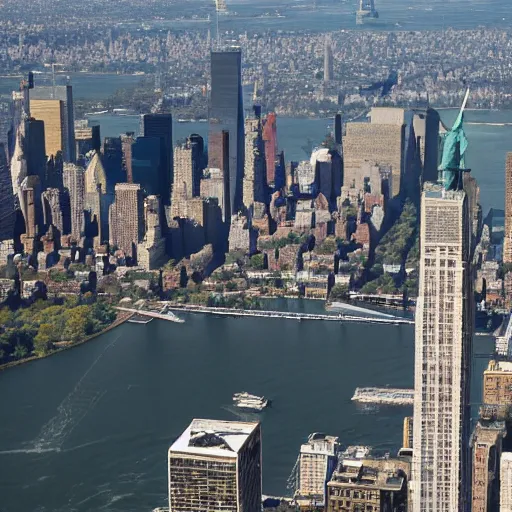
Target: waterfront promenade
(238, 313)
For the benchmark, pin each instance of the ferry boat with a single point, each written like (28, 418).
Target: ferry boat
(250, 402)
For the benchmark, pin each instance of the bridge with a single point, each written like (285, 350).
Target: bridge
(288, 315)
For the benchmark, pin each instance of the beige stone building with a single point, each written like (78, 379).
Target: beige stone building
(51, 112)
(443, 339)
(378, 143)
(507, 241)
(151, 251)
(498, 383)
(370, 486)
(127, 218)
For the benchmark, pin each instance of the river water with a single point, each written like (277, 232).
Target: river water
(89, 429)
(488, 143)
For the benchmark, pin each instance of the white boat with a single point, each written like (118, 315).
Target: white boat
(250, 402)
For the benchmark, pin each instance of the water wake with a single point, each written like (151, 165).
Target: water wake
(70, 412)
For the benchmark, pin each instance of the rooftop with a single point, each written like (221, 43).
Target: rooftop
(499, 366)
(214, 438)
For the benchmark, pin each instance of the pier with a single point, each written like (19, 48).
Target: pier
(153, 314)
(288, 315)
(386, 396)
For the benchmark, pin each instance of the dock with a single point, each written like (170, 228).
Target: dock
(153, 314)
(386, 396)
(288, 315)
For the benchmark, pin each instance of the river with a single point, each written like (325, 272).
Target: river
(488, 143)
(88, 429)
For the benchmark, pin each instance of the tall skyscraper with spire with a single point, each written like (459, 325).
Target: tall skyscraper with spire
(226, 114)
(444, 332)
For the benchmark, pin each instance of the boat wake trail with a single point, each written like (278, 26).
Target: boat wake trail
(70, 412)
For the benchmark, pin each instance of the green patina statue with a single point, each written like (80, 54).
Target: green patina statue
(455, 144)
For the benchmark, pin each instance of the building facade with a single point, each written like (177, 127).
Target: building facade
(226, 114)
(507, 240)
(506, 482)
(127, 219)
(254, 169)
(160, 126)
(498, 383)
(216, 465)
(444, 327)
(64, 95)
(317, 461)
(369, 486)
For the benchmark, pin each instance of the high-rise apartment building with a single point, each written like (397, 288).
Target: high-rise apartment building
(127, 219)
(507, 241)
(160, 126)
(64, 95)
(254, 185)
(270, 140)
(444, 329)
(486, 444)
(317, 461)
(216, 465)
(226, 114)
(74, 184)
(506, 482)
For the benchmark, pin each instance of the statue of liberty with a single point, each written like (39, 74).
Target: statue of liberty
(455, 144)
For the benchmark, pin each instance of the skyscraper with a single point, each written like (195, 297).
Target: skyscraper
(7, 212)
(196, 144)
(74, 183)
(270, 139)
(254, 185)
(216, 465)
(507, 241)
(64, 95)
(146, 154)
(127, 219)
(506, 482)
(51, 112)
(127, 141)
(380, 142)
(226, 114)
(328, 61)
(444, 328)
(160, 125)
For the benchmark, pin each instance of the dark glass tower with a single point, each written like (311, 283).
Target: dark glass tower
(146, 165)
(198, 162)
(160, 126)
(226, 114)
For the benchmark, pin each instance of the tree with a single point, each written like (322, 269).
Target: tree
(43, 342)
(231, 286)
(258, 261)
(20, 352)
(339, 291)
(78, 324)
